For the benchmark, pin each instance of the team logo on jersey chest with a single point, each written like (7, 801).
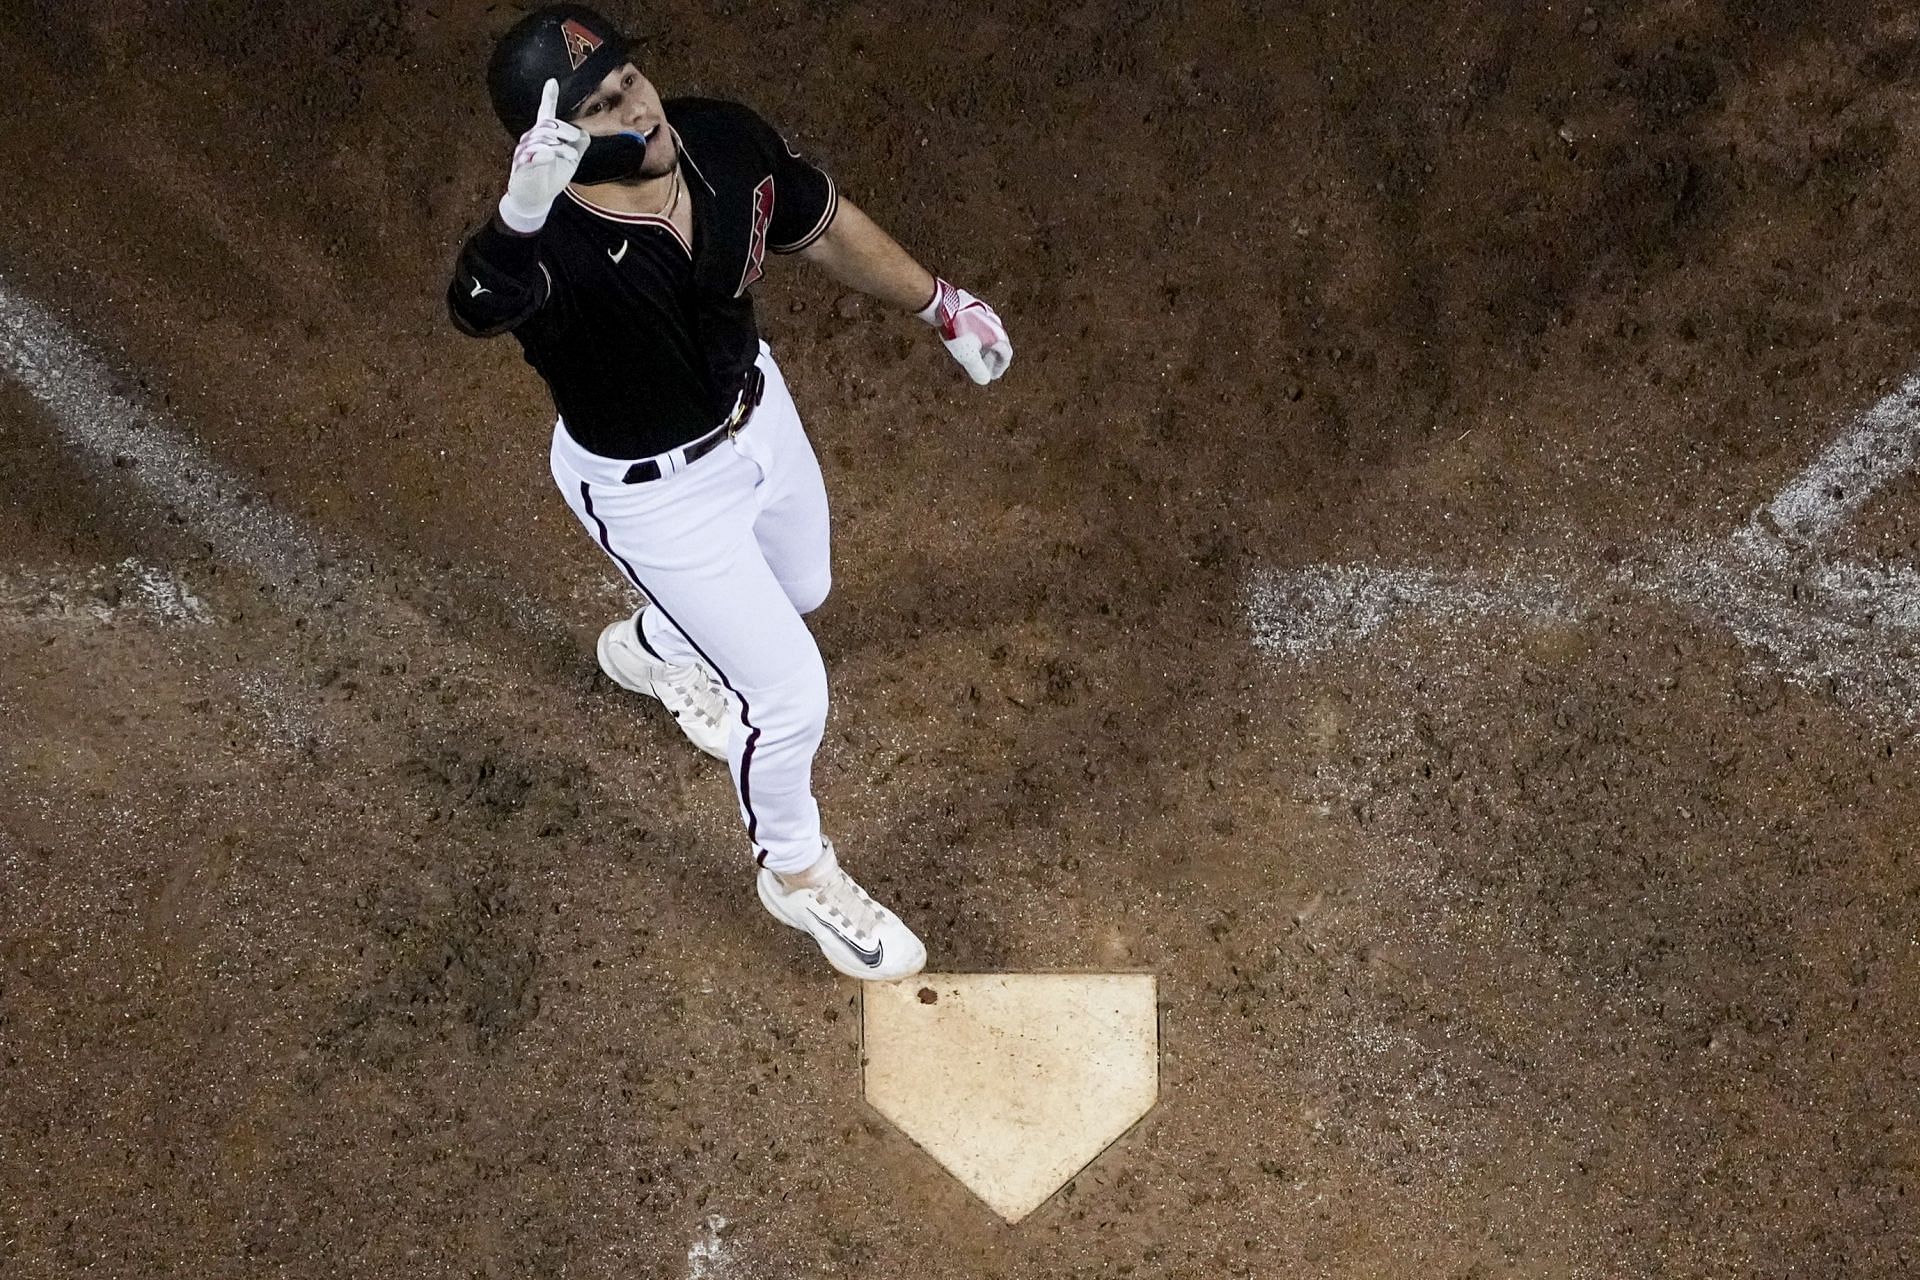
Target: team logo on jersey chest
(580, 42)
(757, 241)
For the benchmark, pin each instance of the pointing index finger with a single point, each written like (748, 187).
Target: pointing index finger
(549, 99)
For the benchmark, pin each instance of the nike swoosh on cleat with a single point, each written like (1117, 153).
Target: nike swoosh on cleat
(478, 289)
(869, 958)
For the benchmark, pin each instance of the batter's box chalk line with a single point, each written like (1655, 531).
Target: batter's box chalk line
(100, 593)
(101, 416)
(1847, 627)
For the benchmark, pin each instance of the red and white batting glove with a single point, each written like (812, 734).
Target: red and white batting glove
(544, 161)
(971, 331)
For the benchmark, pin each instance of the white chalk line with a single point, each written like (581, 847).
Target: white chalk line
(1851, 627)
(113, 427)
(707, 1256)
(1881, 445)
(99, 420)
(100, 593)
(1328, 607)
(135, 445)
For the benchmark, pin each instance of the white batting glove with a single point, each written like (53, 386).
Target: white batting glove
(971, 331)
(544, 161)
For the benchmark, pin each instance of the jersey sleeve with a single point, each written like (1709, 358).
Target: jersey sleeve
(498, 282)
(804, 197)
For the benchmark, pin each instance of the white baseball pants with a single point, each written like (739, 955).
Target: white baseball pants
(732, 549)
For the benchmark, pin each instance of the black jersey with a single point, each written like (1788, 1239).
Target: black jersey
(643, 339)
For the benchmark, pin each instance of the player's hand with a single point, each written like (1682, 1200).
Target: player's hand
(544, 161)
(971, 331)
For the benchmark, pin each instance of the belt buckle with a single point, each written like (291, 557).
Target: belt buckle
(744, 406)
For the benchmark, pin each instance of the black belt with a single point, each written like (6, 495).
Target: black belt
(750, 393)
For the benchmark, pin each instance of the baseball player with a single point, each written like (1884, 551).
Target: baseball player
(621, 257)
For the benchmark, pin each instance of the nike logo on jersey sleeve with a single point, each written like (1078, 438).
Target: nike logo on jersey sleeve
(617, 256)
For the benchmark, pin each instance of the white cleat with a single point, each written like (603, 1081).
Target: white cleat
(696, 700)
(858, 936)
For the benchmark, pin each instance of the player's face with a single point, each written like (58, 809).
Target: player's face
(627, 100)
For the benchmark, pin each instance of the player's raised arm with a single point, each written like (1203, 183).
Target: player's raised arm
(498, 281)
(856, 252)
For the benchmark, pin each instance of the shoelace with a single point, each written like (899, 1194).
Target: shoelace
(849, 904)
(690, 689)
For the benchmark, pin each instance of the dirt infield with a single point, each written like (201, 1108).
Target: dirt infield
(1550, 920)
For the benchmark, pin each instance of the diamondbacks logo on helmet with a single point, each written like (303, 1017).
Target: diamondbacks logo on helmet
(580, 42)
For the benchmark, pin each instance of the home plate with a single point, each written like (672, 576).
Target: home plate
(1014, 1082)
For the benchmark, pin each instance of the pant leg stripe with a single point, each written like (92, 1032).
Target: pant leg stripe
(746, 714)
(641, 638)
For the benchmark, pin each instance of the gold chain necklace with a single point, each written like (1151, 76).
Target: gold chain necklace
(673, 198)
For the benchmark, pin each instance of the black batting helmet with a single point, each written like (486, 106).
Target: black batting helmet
(565, 42)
